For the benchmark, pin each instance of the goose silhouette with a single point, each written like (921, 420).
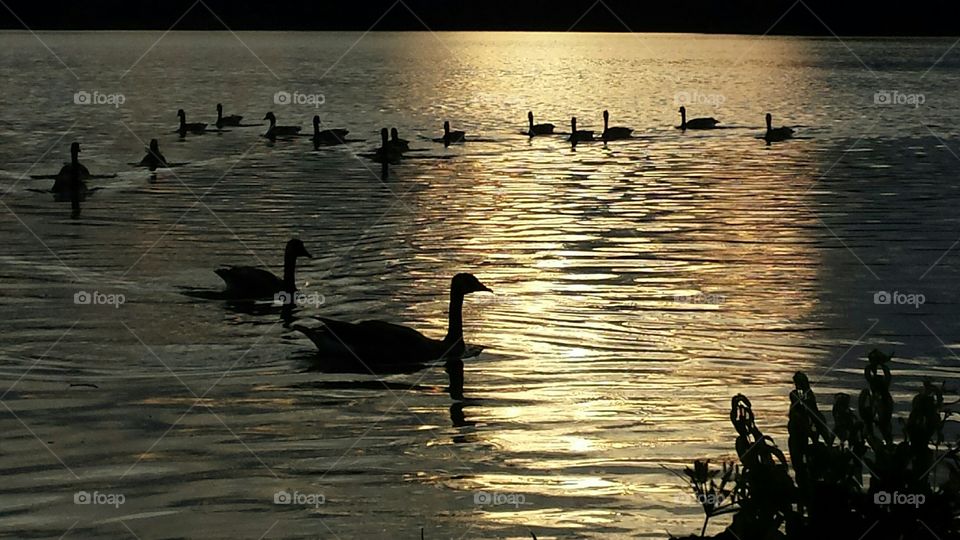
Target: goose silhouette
(579, 135)
(193, 127)
(232, 120)
(275, 131)
(451, 137)
(154, 159)
(327, 136)
(613, 133)
(695, 123)
(73, 175)
(379, 342)
(247, 282)
(538, 129)
(397, 143)
(776, 134)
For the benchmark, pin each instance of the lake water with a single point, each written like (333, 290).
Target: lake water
(638, 285)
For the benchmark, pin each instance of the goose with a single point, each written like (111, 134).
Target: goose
(695, 123)
(776, 134)
(388, 152)
(378, 342)
(251, 283)
(72, 176)
(154, 159)
(327, 136)
(538, 129)
(614, 133)
(232, 120)
(396, 142)
(578, 135)
(450, 137)
(275, 131)
(193, 127)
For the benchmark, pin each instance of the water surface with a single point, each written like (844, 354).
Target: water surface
(639, 284)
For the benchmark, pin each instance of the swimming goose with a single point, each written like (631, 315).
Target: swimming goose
(696, 123)
(450, 137)
(154, 159)
(613, 133)
(232, 120)
(275, 131)
(327, 136)
(388, 152)
(579, 135)
(72, 176)
(396, 142)
(777, 134)
(250, 283)
(378, 342)
(538, 129)
(193, 127)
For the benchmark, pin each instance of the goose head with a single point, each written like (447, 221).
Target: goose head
(295, 248)
(606, 118)
(219, 108)
(573, 124)
(182, 115)
(530, 117)
(769, 121)
(74, 150)
(384, 139)
(394, 134)
(270, 116)
(467, 283)
(154, 146)
(316, 124)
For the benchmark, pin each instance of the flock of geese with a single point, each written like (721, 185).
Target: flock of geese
(372, 342)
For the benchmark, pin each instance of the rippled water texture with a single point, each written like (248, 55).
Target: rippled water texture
(638, 285)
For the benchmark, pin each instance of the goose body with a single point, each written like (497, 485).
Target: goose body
(192, 127)
(378, 342)
(72, 175)
(538, 129)
(451, 137)
(327, 136)
(275, 131)
(776, 134)
(578, 135)
(154, 159)
(696, 123)
(397, 143)
(388, 152)
(613, 133)
(252, 283)
(232, 120)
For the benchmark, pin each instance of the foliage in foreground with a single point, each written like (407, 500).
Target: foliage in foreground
(913, 487)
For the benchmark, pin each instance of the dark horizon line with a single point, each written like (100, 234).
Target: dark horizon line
(478, 29)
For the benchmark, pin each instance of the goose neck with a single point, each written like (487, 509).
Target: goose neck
(453, 343)
(289, 272)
